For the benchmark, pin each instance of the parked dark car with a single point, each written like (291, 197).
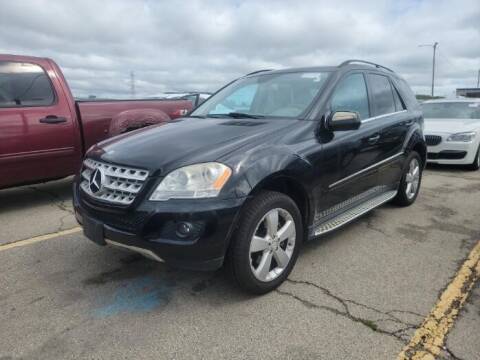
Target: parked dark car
(272, 160)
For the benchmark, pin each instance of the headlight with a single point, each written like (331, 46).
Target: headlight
(193, 182)
(462, 137)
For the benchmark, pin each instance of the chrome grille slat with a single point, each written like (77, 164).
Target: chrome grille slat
(121, 186)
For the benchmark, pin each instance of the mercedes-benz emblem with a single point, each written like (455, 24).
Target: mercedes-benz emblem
(96, 181)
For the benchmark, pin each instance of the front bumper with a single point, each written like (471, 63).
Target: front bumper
(455, 153)
(151, 228)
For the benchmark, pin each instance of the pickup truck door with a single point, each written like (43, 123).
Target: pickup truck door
(350, 157)
(38, 135)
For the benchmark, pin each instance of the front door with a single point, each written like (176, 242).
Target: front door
(350, 157)
(37, 133)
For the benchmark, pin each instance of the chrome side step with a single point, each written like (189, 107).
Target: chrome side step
(353, 213)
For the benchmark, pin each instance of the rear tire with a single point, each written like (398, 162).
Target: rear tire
(266, 243)
(411, 180)
(476, 163)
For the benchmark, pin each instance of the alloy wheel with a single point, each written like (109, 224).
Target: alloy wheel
(272, 244)
(412, 179)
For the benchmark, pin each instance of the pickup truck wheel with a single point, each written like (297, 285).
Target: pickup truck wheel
(266, 244)
(476, 163)
(411, 180)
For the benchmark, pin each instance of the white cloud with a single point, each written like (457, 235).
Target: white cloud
(193, 45)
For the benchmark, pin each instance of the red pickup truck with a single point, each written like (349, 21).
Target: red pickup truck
(44, 132)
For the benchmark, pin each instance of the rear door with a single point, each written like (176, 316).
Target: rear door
(37, 131)
(389, 112)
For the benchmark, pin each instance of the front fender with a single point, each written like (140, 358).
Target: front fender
(135, 119)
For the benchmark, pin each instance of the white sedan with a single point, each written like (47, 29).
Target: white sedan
(452, 131)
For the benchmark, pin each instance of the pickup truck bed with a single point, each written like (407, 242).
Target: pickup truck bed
(102, 119)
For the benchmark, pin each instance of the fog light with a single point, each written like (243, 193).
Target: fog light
(184, 229)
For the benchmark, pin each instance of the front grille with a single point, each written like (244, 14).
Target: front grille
(119, 185)
(433, 140)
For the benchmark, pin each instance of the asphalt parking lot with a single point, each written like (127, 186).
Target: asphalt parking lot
(358, 293)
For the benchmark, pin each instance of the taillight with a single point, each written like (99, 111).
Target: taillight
(179, 112)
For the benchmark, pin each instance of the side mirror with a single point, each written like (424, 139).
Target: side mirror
(343, 121)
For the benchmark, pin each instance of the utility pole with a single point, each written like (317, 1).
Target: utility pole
(478, 79)
(434, 45)
(132, 84)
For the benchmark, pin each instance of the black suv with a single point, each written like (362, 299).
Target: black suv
(271, 160)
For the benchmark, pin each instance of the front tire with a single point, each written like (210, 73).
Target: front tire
(476, 163)
(266, 243)
(411, 180)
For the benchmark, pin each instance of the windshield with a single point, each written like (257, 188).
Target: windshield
(266, 95)
(451, 110)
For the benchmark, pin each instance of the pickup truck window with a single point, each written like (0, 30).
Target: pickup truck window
(351, 95)
(382, 94)
(24, 84)
(267, 95)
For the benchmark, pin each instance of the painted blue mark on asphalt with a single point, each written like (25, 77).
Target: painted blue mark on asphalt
(140, 295)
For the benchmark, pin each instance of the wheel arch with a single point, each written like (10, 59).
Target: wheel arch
(416, 142)
(129, 120)
(286, 184)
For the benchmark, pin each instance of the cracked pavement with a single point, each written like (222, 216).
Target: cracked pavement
(357, 293)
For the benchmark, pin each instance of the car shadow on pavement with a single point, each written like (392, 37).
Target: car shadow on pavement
(35, 195)
(136, 284)
(447, 168)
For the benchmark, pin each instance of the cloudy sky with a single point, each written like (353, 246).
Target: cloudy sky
(200, 45)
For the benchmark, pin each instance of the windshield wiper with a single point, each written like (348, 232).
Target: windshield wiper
(237, 115)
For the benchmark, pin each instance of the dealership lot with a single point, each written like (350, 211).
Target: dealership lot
(359, 292)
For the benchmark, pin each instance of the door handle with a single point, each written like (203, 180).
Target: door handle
(53, 119)
(373, 139)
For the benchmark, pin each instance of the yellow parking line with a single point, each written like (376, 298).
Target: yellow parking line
(428, 340)
(37, 239)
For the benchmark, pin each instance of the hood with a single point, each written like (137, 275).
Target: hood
(450, 126)
(168, 146)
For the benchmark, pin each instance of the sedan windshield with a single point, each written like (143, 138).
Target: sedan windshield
(266, 95)
(451, 110)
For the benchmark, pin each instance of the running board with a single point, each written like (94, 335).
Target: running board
(353, 213)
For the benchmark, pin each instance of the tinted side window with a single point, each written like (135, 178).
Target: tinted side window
(382, 94)
(399, 105)
(351, 95)
(23, 84)
(407, 94)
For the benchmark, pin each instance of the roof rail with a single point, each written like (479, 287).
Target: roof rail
(258, 71)
(347, 62)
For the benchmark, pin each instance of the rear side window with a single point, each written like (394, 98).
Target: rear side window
(407, 94)
(382, 94)
(24, 84)
(351, 95)
(399, 105)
